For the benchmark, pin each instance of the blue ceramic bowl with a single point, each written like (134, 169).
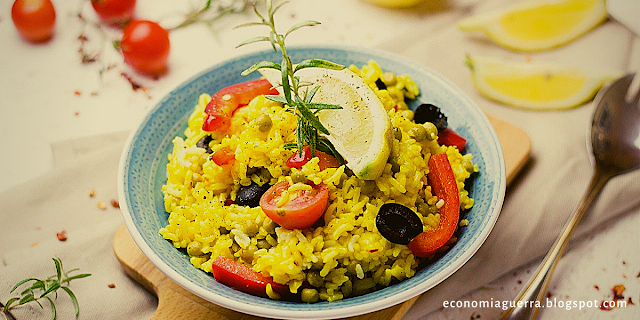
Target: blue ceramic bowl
(142, 174)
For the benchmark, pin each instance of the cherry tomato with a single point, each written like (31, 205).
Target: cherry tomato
(223, 156)
(297, 160)
(114, 11)
(449, 137)
(34, 19)
(301, 212)
(145, 46)
(443, 182)
(226, 101)
(241, 277)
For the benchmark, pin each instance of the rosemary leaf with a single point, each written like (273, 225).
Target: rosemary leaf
(286, 88)
(252, 40)
(297, 26)
(261, 65)
(74, 300)
(250, 24)
(323, 106)
(310, 94)
(279, 99)
(9, 303)
(318, 63)
(53, 309)
(21, 283)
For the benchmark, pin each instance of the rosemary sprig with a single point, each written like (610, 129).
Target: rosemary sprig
(42, 289)
(308, 125)
(219, 11)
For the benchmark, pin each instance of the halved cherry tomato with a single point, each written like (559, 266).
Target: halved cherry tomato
(226, 101)
(223, 156)
(34, 19)
(444, 185)
(114, 11)
(145, 46)
(241, 277)
(301, 212)
(449, 137)
(297, 160)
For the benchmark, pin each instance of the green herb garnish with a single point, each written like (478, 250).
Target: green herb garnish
(42, 289)
(308, 125)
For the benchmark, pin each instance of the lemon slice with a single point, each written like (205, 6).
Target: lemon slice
(539, 25)
(535, 85)
(361, 130)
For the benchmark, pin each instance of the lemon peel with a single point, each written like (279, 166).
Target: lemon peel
(361, 131)
(538, 25)
(536, 86)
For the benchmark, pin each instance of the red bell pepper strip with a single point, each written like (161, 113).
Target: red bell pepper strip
(297, 160)
(444, 185)
(241, 277)
(449, 137)
(226, 101)
(223, 156)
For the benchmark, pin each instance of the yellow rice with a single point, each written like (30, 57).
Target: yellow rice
(347, 251)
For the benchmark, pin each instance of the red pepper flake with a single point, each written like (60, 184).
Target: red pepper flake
(35, 244)
(617, 292)
(228, 202)
(596, 286)
(38, 228)
(549, 294)
(373, 250)
(76, 113)
(62, 235)
(134, 85)
(519, 281)
(630, 301)
(115, 203)
(77, 93)
(638, 276)
(92, 193)
(111, 285)
(94, 93)
(606, 306)
(83, 38)
(624, 262)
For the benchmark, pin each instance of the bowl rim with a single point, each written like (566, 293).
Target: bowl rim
(368, 307)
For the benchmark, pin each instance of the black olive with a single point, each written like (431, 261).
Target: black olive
(398, 223)
(427, 112)
(381, 85)
(204, 143)
(251, 194)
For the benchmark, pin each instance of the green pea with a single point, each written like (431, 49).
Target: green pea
(263, 244)
(432, 131)
(298, 177)
(251, 229)
(310, 295)
(194, 249)
(397, 134)
(368, 186)
(314, 278)
(263, 121)
(247, 254)
(423, 208)
(418, 132)
(270, 227)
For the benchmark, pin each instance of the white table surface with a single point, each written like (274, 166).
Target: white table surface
(47, 95)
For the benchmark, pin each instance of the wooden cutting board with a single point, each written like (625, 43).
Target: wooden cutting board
(174, 302)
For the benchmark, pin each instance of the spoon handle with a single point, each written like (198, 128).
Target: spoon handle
(524, 306)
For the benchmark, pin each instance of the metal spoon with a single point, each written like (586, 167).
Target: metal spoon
(615, 145)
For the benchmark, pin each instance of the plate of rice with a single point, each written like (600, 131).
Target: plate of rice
(218, 211)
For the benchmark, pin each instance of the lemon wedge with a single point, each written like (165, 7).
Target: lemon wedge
(538, 25)
(536, 86)
(361, 130)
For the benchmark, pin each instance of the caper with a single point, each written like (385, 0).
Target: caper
(397, 133)
(251, 229)
(368, 186)
(314, 278)
(418, 133)
(263, 244)
(194, 249)
(310, 295)
(298, 177)
(263, 121)
(432, 130)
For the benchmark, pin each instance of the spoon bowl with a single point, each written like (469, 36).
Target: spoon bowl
(615, 146)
